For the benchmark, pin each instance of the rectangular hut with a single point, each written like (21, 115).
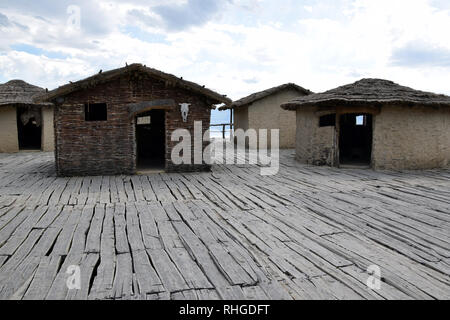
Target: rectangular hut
(121, 121)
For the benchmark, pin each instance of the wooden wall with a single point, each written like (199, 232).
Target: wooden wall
(108, 147)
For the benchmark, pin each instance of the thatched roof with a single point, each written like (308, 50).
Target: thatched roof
(263, 94)
(370, 92)
(103, 77)
(18, 92)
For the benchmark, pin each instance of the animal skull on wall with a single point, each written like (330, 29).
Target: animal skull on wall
(184, 111)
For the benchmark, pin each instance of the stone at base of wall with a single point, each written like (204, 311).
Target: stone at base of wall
(68, 173)
(247, 146)
(318, 163)
(412, 167)
(131, 172)
(443, 165)
(86, 168)
(188, 168)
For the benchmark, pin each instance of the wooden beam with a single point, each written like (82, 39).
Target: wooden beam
(136, 108)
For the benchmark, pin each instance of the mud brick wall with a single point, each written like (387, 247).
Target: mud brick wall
(9, 139)
(314, 145)
(48, 139)
(267, 114)
(8, 130)
(85, 148)
(411, 138)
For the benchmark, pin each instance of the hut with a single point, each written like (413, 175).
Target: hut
(373, 123)
(24, 125)
(261, 110)
(121, 121)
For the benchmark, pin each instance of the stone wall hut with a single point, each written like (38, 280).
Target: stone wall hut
(24, 125)
(375, 123)
(121, 121)
(261, 110)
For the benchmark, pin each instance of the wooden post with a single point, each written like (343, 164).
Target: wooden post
(231, 125)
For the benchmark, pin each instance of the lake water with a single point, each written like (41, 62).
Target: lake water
(219, 117)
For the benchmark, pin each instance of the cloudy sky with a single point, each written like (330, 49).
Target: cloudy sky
(235, 47)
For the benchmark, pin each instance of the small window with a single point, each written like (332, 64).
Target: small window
(144, 120)
(360, 120)
(328, 120)
(96, 112)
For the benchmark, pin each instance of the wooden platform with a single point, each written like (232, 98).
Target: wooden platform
(306, 233)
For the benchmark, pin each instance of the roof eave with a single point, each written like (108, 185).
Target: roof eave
(24, 104)
(341, 102)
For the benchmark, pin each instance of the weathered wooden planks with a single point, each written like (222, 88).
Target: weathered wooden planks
(171, 277)
(123, 281)
(95, 230)
(103, 283)
(306, 233)
(44, 277)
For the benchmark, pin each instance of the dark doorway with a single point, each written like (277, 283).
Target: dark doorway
(151, 140)
(355, 139)
(29, 128)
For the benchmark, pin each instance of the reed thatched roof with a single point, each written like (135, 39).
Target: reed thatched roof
(263, 94)
(103, 77)
(369, 92)
(18, 92)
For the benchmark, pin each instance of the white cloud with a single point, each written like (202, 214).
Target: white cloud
(335, 44)
(41, 70)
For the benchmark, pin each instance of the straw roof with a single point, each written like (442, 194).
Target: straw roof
(263, 94)
(369, 92)
(107, 76)
(18, 92)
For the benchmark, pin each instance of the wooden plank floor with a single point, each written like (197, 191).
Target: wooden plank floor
(306, 233)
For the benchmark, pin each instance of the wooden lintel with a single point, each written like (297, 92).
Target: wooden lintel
(374, 110)
(140, 107)
(322, 111)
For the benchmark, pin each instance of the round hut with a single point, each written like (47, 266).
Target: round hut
(24, 124)
(373, 123)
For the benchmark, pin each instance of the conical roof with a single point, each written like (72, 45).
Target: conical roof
(18, 92)
(370, 91)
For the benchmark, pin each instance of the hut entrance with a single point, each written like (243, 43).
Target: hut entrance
(355, 139)
(151, 140)
(29, 128)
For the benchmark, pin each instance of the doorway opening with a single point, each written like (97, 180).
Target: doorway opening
(355, 139)
(151, 141)
(29, 128)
